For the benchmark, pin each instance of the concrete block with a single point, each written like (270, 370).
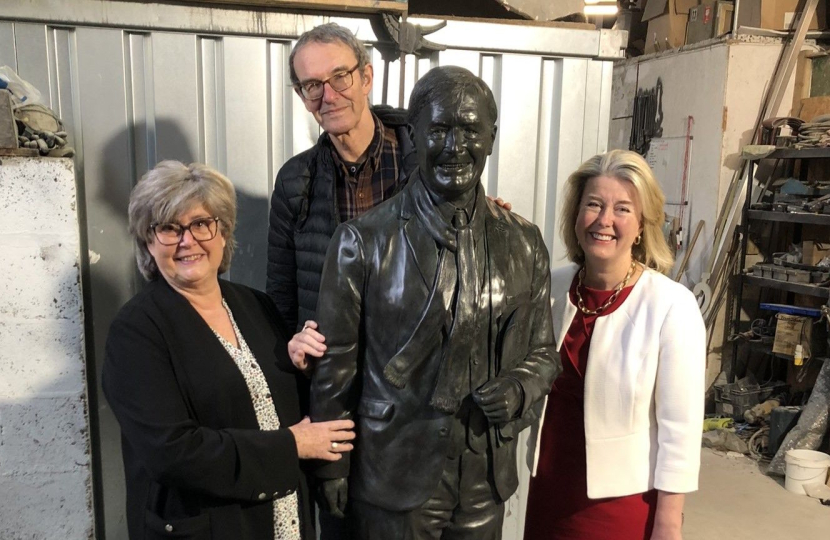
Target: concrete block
(8, 129)
(41, 280)
(46, 506)
(44, 435)
(45, 482)
(44, 356)
(37, 196)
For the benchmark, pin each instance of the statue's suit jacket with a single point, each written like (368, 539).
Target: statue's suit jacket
(376, 281)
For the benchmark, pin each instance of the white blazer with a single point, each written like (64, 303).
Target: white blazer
(644, 387)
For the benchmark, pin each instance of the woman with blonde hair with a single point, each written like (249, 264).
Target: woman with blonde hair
(620, 442)
(197, 373)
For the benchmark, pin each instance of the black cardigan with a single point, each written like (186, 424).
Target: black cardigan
(195, 459)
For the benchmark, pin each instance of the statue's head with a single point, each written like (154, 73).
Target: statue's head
(452, 120)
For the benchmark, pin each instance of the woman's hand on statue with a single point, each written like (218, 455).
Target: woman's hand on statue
(323, 440)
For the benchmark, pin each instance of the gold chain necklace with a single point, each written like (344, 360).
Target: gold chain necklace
(617, 290)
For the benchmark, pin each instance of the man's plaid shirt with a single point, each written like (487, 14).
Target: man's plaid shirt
(362, 186)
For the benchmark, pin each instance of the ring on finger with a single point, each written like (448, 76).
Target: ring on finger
(334, 446)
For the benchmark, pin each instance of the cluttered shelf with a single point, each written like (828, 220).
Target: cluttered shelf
(800, 288)
(790, 217)
(795, 153)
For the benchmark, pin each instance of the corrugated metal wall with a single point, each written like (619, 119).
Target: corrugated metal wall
(134, 94)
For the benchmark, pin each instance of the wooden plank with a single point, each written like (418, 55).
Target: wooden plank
(786, 65)
(803, 76)
(820, 76)
(360, 6)
(814, 106)
(18, 152)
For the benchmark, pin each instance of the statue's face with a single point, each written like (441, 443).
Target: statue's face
(453, 136)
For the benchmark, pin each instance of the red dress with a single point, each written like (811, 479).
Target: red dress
(558, 505)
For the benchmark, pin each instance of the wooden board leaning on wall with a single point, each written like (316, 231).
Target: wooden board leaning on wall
(809, 100)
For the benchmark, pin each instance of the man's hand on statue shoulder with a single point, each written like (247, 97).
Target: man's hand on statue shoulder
(306, 342)
(499, 201)
(500, 399)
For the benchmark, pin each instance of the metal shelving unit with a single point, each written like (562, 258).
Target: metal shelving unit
(790, 217)
(800, 288)
(799, 218)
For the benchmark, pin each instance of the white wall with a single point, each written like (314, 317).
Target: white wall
(693, 85)
(45, 480)
(721, 86)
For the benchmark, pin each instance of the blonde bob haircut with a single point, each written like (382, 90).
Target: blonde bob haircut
(652, 251)
(167, 191)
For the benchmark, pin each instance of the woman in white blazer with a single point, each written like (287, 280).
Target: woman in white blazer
(619, 445)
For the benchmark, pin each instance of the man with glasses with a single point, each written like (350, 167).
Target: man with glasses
(363, 157)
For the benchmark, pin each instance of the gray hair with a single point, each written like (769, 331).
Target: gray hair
(329, 33)
(170, 189)
(452, 80)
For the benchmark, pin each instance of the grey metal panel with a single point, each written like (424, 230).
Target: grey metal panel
(61, 46)
(570, 100)
(518, 119)
(211, 80)
(597, 119)
(175, 91)
(246, 142)
(140, 107)
(604, 106)
(490, 70)
(493, 37)
(107, 178)
(280, 108)
(547, 147)
(8, 55)
(32, 62)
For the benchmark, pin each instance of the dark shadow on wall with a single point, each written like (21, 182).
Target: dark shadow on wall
(112, 279)
(250, 259)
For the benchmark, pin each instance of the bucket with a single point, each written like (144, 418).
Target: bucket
(805, 467)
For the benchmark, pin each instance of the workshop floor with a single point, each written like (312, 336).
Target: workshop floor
(737, 502)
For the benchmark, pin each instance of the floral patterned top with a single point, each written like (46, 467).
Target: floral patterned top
(286, 509)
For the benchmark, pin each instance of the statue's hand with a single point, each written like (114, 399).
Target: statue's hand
(500, 399)
(333, 495)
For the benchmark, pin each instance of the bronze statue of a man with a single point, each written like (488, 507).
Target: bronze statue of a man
(436, 310)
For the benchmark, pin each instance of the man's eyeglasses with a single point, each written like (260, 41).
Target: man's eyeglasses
(170, 234)
(339, 82)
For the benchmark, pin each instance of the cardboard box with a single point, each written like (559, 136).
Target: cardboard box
(813, 252)
(777, 14)
(791, 330)
(666, 32)
(684, 6)
(655, 8)
(781, 13)
(709, 20)
(667, 21)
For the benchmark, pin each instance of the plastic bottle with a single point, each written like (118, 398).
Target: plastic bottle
(798, 356)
